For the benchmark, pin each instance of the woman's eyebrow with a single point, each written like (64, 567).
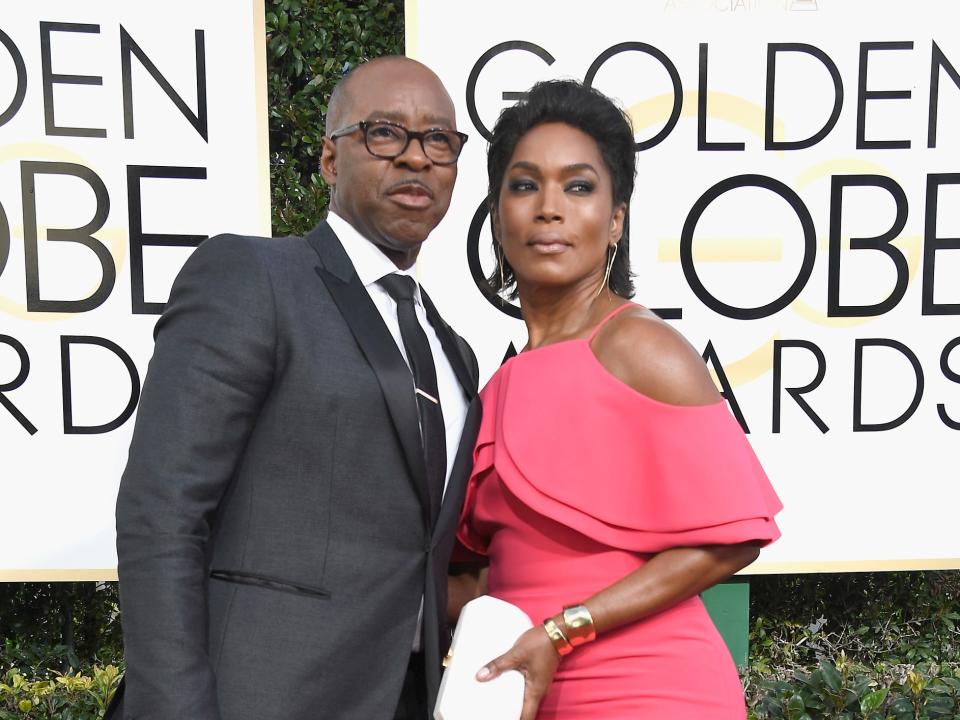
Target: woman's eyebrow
(577, 167)
(566, 169)
(525, 165)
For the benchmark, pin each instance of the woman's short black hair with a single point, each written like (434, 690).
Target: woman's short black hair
(590, 111)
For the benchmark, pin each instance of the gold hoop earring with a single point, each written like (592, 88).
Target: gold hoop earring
(610, 258)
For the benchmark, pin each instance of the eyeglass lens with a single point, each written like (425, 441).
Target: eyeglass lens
(388, 141)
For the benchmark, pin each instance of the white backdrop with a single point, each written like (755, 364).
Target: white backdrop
(126, 97)
(874, 488)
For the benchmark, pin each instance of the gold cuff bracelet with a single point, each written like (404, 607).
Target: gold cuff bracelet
(559, 640)
(579, 622)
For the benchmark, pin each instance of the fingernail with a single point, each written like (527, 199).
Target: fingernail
(483, 674)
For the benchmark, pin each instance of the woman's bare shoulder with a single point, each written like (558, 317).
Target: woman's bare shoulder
(650, 356)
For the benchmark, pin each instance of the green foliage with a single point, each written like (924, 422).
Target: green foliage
(58, 625)
(874, 646)
(58, 696)
(893, 618)
(61, 650)
(308, 44)
(843, 690)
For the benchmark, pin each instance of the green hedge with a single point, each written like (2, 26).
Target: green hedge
(61, 651)
(58, 696)
(844, 647)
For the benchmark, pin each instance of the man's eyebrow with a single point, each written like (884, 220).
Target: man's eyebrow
(437, 121)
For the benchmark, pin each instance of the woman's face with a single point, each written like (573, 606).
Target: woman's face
(556, 217)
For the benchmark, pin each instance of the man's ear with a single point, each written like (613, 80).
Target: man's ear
(328, 161)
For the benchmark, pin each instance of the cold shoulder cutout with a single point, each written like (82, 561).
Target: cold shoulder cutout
(651, 357)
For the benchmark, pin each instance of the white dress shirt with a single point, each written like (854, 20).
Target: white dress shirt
(371, 265)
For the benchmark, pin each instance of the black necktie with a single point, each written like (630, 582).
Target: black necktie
(402, 288)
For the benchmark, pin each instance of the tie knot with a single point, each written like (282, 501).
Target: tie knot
(399, 287)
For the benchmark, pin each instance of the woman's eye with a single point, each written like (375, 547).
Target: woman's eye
(580, 186)
(521, 186)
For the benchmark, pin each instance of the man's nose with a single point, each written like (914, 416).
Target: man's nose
(414, 156)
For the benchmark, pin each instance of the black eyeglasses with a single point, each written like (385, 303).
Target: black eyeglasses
(388, 140)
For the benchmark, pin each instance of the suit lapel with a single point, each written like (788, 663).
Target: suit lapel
(450, 347)
(379, 348)
(460, 473)
(463, 463)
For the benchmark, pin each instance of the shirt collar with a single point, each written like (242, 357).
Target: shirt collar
(368, 261)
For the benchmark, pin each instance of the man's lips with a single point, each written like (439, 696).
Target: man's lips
(411, 194)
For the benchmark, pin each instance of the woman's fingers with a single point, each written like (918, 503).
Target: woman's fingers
(532, 693)
(530, 707)
(534, 657)
(497, 667)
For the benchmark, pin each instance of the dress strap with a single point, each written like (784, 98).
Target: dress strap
(609, 316)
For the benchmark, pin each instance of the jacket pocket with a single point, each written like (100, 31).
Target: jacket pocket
(269, 583)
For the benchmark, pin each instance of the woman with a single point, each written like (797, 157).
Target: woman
(610, 478)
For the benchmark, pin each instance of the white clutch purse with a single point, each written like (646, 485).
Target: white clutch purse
(487, 628)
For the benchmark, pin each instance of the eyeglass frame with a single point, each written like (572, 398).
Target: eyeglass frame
(411, 135)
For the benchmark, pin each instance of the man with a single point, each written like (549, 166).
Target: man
(286, 518)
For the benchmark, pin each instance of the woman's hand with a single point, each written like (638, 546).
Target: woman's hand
(534, 656)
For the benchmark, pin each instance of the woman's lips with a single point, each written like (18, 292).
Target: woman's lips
(548, 245)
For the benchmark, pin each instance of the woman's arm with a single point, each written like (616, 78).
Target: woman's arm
(667, 579)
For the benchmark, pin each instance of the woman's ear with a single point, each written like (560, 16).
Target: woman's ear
(617, 223)
(495, 224)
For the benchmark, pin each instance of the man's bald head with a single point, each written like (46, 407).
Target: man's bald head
(341, 99)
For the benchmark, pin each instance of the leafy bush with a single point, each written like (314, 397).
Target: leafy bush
(873, 646)
(58, 696)
(58, 625)
(61, 650)
(843, 690)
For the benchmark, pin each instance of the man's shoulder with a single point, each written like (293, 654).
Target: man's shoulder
(234, 263)
(230, 254)
(253, 245)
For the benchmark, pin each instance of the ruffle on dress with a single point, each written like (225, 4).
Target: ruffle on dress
(577, 445)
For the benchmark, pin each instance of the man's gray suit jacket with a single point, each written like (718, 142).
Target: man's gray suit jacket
(274, 528)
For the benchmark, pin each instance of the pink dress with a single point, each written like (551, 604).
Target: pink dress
(578, 480)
